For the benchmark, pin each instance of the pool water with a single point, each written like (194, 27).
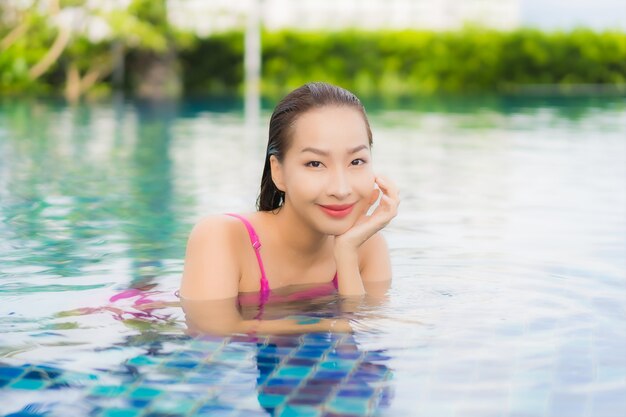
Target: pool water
(509, 257)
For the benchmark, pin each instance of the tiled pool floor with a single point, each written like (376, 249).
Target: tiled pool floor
(311, 375)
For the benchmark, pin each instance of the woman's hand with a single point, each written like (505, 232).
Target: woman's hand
(366, 226)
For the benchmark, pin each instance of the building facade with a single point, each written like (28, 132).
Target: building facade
(205, 17)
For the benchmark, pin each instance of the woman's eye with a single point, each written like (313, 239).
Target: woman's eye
(358, 162)
(313, 164)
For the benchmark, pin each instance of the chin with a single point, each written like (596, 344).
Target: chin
(338, 228)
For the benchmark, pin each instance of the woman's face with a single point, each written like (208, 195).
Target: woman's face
(327, 173)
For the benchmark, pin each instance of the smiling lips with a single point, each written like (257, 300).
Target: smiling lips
(337, 211)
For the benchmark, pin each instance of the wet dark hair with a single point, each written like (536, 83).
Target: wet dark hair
(299, 101)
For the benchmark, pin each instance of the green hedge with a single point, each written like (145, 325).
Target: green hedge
(414, 62)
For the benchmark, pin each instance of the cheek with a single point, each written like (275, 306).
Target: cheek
(304, 183)
(364, 182)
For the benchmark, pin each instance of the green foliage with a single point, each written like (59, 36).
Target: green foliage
(421, 62)
(214, 65)
(26, 51)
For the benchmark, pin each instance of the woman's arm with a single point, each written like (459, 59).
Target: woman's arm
(366, 270)
(222, 317)
(361, 253)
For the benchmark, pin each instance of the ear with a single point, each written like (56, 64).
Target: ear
(277, 173)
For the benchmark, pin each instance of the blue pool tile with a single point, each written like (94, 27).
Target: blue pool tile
(317, 382)
(293, 372)
(319, 390)
(283, 381)
(376, 356)
(306, 400)
(301, 362)
(75, 378)
(36, 374)
(23, 414)
(139, 403)
(205, 379)
(121, 412)
(142, 360)
(344, 355)
(107, 391)
(298, 411)
(275, 350)
(350, 406)
(330, 375)
(269, 400)
(181, 364)
(267, 359)
(372, 368)
(366, 377)
(245, 339)
(145, 393)
(341, 365)
(58, 385)
(364, 392)
(266, 368)
(308, 354)
(284, 341)
(318, 396)
(189, 355)
(213, 409)
(315, 336)
(278, 390)
(10, 372)
(53, 373)
(28, 384)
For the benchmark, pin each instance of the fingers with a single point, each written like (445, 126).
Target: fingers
(374, 196)
(388, 187)
(388, 206)
(391, 194)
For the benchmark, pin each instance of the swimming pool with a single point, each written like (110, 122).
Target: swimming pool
(509, 293)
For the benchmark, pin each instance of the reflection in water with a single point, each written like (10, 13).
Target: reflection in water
(151, 192)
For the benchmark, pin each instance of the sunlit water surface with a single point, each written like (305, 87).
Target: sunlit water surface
(509, 290)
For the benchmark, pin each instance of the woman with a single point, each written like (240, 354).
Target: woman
(317, 187)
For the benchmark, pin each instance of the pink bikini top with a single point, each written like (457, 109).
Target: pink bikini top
(265, 287)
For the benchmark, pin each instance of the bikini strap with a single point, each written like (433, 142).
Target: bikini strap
(256, 244)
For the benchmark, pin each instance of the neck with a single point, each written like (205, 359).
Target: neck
(306, 242)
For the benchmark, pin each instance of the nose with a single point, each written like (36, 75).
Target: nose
(339, 185)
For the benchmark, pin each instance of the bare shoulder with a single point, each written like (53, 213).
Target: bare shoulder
(374, 262)
(213, 227)
(212, 264)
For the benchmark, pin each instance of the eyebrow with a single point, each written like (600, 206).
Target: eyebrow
(326, 153)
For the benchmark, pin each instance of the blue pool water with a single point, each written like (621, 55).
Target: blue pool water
(509, 256)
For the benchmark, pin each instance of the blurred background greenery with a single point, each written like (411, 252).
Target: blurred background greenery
(134, 47)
